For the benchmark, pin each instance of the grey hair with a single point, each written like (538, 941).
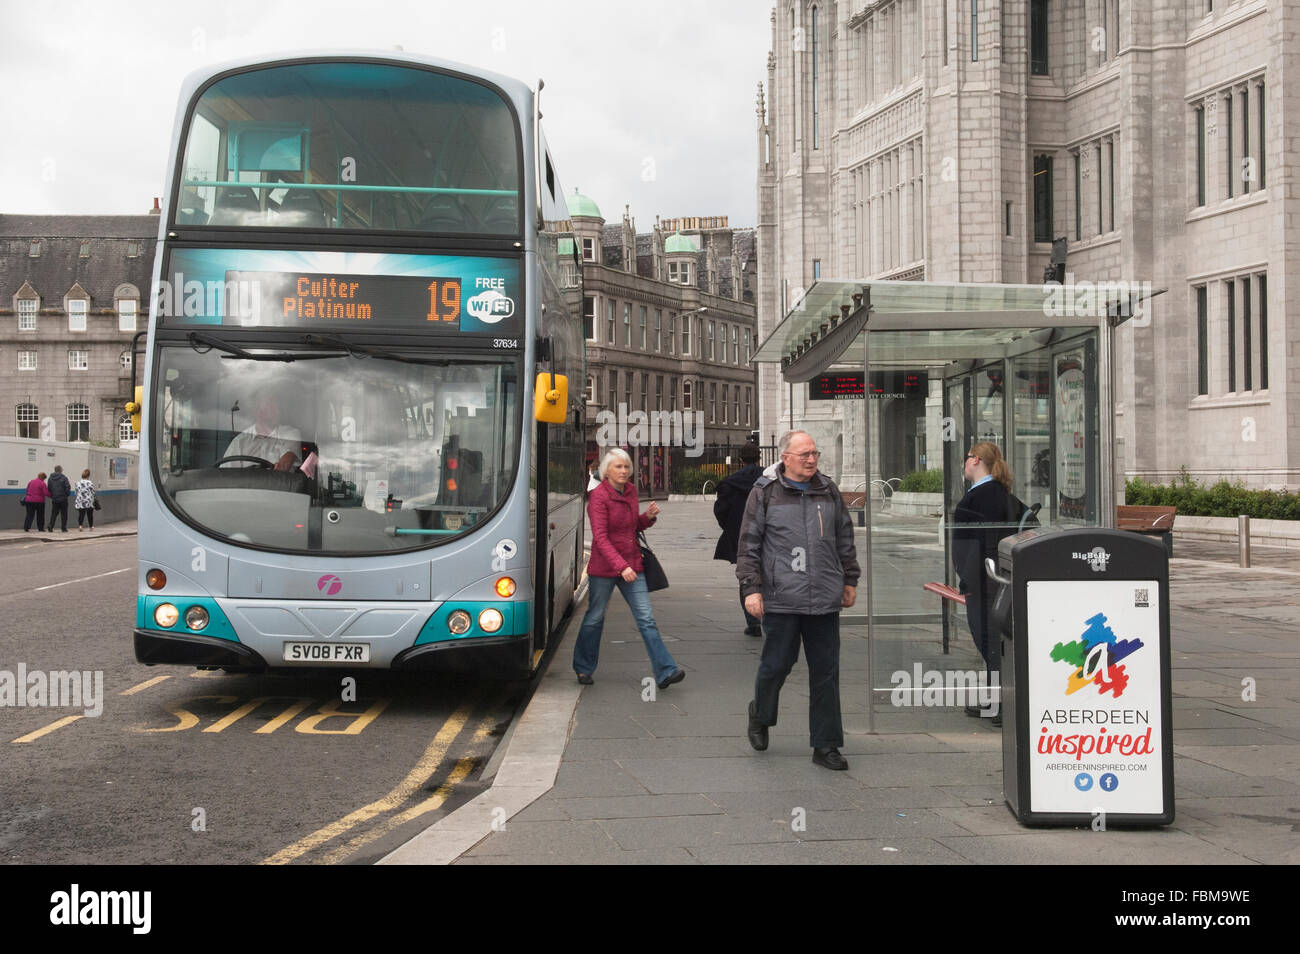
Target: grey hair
(783, 444)
(611, 455)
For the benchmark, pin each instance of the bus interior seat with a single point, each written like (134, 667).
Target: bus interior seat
(236, 206)
(191, 210)
(500, 215)
(444, 213)
(301, 208)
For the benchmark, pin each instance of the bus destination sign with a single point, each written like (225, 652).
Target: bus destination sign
(290, 299)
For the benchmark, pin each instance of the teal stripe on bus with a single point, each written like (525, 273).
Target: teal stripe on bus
(517, 618)
(218, 624)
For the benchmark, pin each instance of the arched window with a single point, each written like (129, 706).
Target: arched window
(29, 422)
(591, 389)
(126, 434)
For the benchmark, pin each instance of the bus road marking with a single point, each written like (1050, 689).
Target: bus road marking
(144, 685)
(414, 780)
(435, 801)
(125, 569)
(33, 736)
(206, 674)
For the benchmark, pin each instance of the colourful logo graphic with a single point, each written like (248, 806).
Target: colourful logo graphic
(1094, 656)
(329, 584)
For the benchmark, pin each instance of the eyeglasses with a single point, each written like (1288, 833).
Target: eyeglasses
(972, 456)
(809, 455)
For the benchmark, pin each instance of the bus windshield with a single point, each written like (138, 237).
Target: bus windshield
(336, 451)
(353, 146)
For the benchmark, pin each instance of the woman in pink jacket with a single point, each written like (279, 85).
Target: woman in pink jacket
(614, 514)
(37, 492)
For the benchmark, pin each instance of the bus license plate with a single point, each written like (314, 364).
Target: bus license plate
(327, 652)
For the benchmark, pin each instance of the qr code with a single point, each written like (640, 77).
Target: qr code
(1140, 597)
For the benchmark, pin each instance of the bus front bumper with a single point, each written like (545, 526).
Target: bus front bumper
(155, 647)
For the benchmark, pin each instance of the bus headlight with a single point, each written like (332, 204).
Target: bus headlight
(490, 620)
(155, 579)
(459, 623)
(505, 587)
(166, 615)
(196, 618)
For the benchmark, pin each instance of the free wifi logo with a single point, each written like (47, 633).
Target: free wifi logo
(329, 584)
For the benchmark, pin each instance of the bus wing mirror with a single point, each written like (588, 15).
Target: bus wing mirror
(134, 408)
(551, 398)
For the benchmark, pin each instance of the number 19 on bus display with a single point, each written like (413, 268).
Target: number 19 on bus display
(444, 299)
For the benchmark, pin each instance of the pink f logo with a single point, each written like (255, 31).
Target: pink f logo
(329, 584)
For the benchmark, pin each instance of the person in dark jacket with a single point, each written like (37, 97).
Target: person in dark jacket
(614, 513)
(981, 519)
(60, 489)
(729, 511)
(798, 567)
(34, 499)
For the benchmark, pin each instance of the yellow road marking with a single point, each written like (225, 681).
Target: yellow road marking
(144, 685)
(206, 674)
(33, 736)
(405, 789)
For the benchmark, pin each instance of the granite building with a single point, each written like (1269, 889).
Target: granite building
(954, 140)
(670, 326)
(73, 294)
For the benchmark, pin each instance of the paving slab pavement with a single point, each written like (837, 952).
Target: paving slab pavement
(615, 774)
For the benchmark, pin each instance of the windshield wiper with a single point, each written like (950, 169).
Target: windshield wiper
(212, 341)
(358, 350)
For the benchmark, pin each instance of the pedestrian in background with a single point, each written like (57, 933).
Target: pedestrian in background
(614, 514)
(35, 498)
(84, 500)
(729, 511)
(60, 489)
(798, 567)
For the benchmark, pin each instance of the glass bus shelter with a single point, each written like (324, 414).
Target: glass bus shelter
(939, 367)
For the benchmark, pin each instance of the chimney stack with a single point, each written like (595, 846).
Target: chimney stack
(156, 210)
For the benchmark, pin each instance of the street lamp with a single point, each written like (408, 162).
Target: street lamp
(233, 409)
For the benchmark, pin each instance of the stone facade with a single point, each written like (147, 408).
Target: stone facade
(74, 290)
(913, 139)
(670, 325)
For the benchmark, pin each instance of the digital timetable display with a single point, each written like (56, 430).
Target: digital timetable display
(848, 385)
(278, 288)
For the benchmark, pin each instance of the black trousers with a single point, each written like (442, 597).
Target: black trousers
(35, 511)
(821, 644)
(978, 601)
(57, 508)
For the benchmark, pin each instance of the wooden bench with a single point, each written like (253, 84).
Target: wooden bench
(1150, 520)
(946, 592)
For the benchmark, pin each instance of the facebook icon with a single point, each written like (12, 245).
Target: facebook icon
(1108, 782)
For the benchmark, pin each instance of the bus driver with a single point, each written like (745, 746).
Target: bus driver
(268, 439)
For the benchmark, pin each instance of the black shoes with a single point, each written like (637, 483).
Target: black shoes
(753, 631)
(757, 731)
(976, 712)
(667, 681)
(584, 679)
(831, 759)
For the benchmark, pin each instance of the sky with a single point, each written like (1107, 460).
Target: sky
(647, 104)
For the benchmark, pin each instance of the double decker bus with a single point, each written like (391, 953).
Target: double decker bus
(358, 447)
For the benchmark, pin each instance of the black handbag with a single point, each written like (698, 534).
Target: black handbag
(655, 577)
(97, 506)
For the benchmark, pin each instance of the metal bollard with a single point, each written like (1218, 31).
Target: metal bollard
(1243, 540)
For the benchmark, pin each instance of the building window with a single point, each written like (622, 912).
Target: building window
(974, 31)
(627, 389)
(1200, 155)
(723, 417)
(817, 268)
(672, 333)
(132, 249)
(34, 250)
(735, 345)
(748, 345)
(735, 404)
(1078, 197)
(1227, 141)
(124, 359)
(627, 324)
(611, 309)
(659, 331)
(79, 422)
(77, 309)
(1038, 37)
(686, 394)
(84, 251)
(659, 392)
(645, 392)
(126, 313)
(1202, 340)
(686, 335)
(713, 402)
(29, 422)
(78, 360)
(816, 134)
(1230, 293)
(1261, 281)
(1101, 204)
(1247, 365)
(27, 314)
(588, 250)
(1043, 199)
(709, 341)
(26, 360)
(589, 318)
(1259, 125)
(591, 389)
(125, 432)
(644, 343)
(749, 403)
(611, 394)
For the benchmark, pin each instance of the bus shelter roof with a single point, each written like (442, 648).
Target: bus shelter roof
(959, 320)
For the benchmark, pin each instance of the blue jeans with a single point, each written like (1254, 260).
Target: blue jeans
(586, 651)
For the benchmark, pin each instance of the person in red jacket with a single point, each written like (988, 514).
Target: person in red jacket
(37, 492)
(613, 511)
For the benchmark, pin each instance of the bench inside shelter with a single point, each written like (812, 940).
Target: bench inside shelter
(1152, 520)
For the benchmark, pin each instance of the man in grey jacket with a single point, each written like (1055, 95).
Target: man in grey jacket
(798, 568)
